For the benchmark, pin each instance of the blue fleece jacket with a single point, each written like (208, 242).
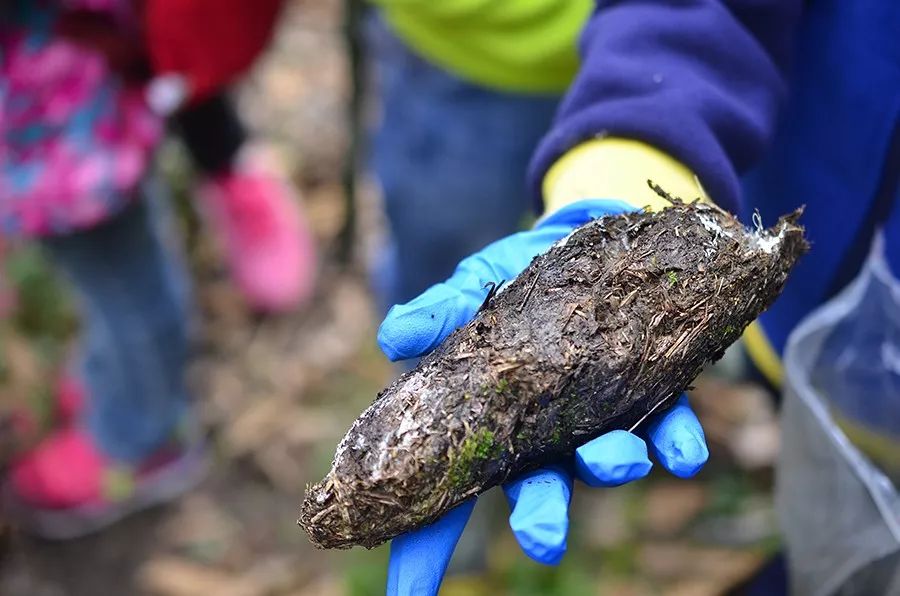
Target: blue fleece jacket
(772, 103)
(701, 80)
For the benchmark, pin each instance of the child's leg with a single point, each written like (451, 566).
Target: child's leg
(134, 293)
(451, 158)
(212, 132)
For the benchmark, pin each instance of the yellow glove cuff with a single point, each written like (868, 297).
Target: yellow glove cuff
(616, 168)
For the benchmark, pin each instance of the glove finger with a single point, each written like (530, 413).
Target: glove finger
(419, 326)
(540, 513)
(613, 459)
(506, 258)
(677, 440)
(420, 558)
(586, 210)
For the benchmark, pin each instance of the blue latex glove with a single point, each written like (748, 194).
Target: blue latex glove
(539, 500)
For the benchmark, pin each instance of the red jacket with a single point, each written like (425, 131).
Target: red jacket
(210, 42)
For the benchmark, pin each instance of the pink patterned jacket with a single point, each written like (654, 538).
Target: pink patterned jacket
(74, 139)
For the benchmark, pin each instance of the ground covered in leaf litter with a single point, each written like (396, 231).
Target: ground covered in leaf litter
(277, 393)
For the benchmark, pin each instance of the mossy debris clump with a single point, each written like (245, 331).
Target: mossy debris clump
(608, 327)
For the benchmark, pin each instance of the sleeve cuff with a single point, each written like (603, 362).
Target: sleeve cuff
(616, 168)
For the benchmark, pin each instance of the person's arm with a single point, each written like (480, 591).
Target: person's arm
(699, 80)
(682, 92)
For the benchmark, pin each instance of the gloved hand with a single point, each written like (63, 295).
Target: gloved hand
(539, 500)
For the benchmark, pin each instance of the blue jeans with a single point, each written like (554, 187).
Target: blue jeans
(134, 298)
(451, 158)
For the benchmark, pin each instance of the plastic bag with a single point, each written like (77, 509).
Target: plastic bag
(839, 469)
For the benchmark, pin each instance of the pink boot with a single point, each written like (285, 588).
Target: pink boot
(256, 216)
(65, 487)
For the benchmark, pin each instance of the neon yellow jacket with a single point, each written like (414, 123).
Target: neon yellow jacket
(512, 45)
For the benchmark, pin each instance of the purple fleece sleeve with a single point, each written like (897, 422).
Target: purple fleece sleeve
(699, 79)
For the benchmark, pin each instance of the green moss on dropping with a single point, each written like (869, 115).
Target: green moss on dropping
(673, 278)
(556, 437)
(476, 449)
(502, 386)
